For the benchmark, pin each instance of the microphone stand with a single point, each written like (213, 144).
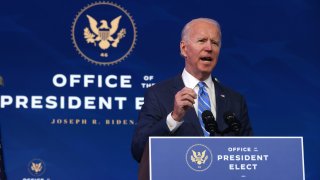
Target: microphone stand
(219, 133)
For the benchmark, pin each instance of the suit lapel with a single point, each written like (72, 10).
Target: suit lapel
(221, 104)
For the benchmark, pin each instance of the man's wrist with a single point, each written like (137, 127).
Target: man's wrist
(175, 117)
(172, 123)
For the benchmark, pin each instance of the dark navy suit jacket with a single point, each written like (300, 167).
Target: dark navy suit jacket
(159, 102)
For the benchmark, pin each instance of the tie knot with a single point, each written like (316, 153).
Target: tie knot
(201, 84)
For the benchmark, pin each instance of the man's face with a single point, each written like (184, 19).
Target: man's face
(201, 49)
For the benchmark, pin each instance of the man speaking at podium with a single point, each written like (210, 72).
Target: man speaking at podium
(192, 103)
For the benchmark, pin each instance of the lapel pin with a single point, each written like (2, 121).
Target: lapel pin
(222, 95)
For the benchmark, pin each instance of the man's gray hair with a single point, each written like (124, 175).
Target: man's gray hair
(186, 29)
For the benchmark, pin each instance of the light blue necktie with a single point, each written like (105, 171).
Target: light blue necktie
(203, 104)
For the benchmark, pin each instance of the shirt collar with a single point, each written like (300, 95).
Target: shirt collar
(191, 82)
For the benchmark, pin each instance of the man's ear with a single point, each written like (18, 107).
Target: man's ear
(183, 49)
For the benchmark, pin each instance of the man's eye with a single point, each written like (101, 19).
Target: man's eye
(202, 40)
(215, 43)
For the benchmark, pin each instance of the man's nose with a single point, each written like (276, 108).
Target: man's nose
(208, 46)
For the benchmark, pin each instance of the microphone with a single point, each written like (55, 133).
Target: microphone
(209, 123)
(232, 122)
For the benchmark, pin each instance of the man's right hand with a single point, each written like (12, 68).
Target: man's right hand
(184, 99)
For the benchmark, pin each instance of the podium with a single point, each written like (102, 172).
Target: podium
(227, 158)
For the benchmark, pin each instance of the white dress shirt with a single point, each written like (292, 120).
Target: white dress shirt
(192, 83)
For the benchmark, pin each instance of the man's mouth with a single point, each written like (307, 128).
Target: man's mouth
(206, 58)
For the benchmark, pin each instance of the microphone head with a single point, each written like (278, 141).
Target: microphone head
(209, 122)
(207, 116)
(232, 121)
(229, 117)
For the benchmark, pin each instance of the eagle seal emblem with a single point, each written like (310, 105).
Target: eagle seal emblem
(199, 157)
(36, 167)
(104, 33)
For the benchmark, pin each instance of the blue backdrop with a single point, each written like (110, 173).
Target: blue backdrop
(270, 54)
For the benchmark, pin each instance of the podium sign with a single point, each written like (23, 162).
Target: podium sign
(227, 158)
